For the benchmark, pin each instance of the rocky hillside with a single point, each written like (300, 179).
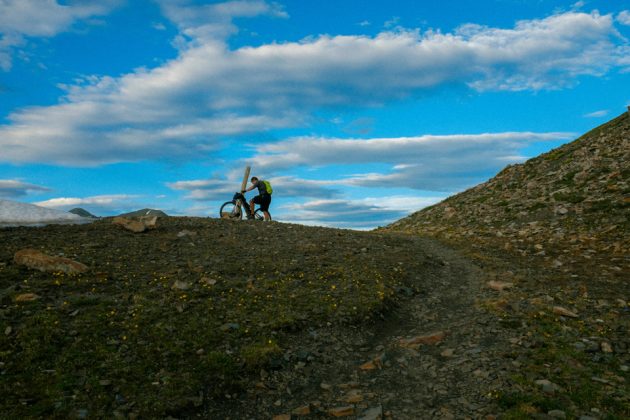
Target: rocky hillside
(566, 207)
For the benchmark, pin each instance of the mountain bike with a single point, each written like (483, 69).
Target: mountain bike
(234, 209)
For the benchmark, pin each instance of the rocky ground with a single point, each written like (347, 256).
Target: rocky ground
(218, 319)
(202, 318)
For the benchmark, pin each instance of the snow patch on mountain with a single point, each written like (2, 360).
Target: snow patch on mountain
(13, 213)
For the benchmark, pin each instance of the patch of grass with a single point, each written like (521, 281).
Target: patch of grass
(568, 179)
(555, 154)
(537, 206)
(553, 357)
(258, 355)
(152, 335)
(569, 197)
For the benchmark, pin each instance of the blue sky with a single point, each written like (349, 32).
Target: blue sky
(357, 112)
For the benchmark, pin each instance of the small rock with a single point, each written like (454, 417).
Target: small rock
(105, 382)
(186, 232)
(26, 297)
(624, 368)
(601, 380)
(559, 310)
(557, 414)
(230, 326)
(447, 353)
(305, 410)
(341, 411)
(499, 286)
(547, 386)
(606, 348)
(415, 342)
(375, 363)
(325, 386)
(561, 210)
(353, 397)
(375, 413)
(208, 281)
(282, 417)
(8, 330)
(180, 285)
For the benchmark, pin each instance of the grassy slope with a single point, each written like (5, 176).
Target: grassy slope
(165, 321)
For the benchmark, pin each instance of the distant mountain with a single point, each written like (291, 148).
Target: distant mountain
(145, 212)
(82, 212)
(572, 202)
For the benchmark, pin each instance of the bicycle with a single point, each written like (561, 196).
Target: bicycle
(233, 210)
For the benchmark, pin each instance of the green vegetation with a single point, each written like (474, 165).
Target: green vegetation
(575, 372)
(578, 378)
(138, 335)
(569, 197)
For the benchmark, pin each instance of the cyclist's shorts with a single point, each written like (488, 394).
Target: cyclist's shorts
(263, 201)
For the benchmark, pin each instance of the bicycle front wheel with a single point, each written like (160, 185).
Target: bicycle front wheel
(231, 211)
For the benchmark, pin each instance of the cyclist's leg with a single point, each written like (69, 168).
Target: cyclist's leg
(264, 206)
(252, 204)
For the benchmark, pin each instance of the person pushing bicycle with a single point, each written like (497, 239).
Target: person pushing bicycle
(263, 198)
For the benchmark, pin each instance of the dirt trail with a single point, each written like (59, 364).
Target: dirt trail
(368, 372)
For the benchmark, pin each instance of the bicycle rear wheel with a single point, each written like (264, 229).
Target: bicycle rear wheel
(258, 215)
(229, 210)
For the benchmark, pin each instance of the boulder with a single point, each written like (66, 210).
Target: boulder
(37, 260)
(136, 225)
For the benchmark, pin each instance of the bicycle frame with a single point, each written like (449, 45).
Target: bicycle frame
(239, 200)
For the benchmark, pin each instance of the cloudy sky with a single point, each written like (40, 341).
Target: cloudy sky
(357, 112)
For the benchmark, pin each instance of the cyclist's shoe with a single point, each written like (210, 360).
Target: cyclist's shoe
(250, 217)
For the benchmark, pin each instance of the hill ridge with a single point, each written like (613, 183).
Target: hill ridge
(575, 197)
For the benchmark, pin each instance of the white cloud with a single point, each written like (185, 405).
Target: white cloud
(366, 213)
(578, 5)
(337, 213)
(222, 189)
(597, 114)
(624, 17)
(214, 21)
(13, 188)
(42, 18)
(392, 23)
(434, 163)
(98, 205)
(183, 108)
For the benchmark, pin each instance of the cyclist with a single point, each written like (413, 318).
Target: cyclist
(263, 198)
